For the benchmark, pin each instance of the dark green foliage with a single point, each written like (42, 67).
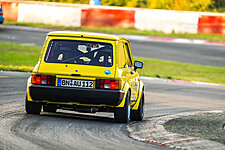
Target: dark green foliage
(218, 5)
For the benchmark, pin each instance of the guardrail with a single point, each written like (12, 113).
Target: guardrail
(92, 16)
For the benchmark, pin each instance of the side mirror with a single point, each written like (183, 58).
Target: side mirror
(138, 64)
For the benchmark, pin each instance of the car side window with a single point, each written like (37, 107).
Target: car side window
(127, 55)
(122, 59)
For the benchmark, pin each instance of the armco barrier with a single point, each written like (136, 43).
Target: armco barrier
(211, 24)
(10, 10)
(107, 17)
(54, 15)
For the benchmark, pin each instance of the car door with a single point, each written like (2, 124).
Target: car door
(133, 75)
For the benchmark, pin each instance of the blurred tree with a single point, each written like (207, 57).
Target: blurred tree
(114, 2)
(160, 4)
(108, 2)
(200, 5)
(193, 5)
(182, 5)
(84, 1)
(190, 5)
(218, 5)
(137, 3)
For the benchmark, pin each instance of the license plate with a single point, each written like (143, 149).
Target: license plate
(76, 83)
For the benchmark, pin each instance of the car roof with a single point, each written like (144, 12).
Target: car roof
(86, 35)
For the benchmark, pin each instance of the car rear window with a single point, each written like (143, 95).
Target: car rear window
(80, 52)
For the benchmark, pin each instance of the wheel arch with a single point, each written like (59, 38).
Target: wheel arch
(126, 89)
(140, 91)
(28, 92)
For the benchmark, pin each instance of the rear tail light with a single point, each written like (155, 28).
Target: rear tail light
(43, 79)
(1, 14)
(108, 84)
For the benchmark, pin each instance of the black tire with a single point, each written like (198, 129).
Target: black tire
(122, 114)
(49, 108)
(32, 107)
(138, 115)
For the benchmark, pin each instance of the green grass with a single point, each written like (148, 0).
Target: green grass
(23, 58)
(209, 37)
(18, 55)
(182, 71)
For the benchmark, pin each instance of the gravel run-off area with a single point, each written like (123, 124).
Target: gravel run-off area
(207, 126)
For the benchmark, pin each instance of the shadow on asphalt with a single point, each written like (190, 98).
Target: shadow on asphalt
(78, 116)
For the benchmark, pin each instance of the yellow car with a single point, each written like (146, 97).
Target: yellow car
(86, 72)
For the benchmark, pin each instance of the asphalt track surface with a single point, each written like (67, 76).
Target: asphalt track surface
(69, 130)
(210, 55)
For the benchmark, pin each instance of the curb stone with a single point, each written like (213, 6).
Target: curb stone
(152, 131)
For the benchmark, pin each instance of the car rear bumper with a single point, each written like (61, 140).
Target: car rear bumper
(77, 95)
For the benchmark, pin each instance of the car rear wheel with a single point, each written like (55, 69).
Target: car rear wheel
(122, 114)
(49, 108)
(137, 115)
(32, 107)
